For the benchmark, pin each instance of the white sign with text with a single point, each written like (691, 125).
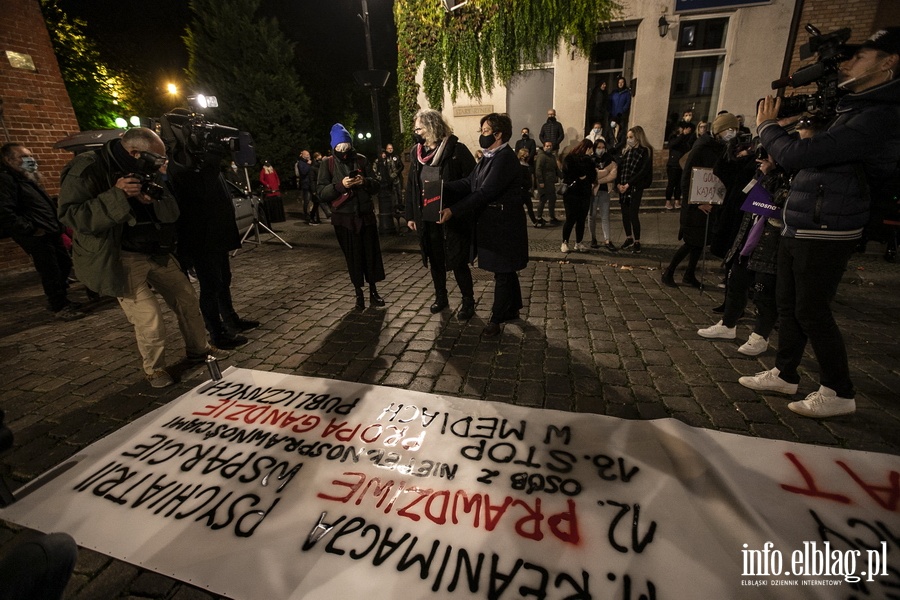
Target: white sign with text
(272, 486)
(706, 188)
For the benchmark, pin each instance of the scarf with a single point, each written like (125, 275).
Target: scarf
(432, 156)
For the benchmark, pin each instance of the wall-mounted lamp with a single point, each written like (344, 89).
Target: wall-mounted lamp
(663, 26)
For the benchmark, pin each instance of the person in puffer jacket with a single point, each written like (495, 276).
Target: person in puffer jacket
(838, 172)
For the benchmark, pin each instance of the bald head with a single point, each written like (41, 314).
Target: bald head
(141, 139)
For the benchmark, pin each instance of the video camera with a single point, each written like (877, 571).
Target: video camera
(831, 51)
(190, 137)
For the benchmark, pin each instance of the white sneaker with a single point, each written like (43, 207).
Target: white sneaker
(579, 247)
(823, 403)
(768, 381)
(754, 346)
(564, 247)
(719, 331)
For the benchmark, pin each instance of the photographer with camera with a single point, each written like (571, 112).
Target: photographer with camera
(838, 172)
(124, 223)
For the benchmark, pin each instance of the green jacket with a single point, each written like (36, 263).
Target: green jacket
(97, 211)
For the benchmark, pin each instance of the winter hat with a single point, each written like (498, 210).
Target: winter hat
(723, 122)
(340, 135)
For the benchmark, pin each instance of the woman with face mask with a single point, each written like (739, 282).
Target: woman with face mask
(346, 182)
(437, 157)
(580, 173)
(492, 193)
(606, 174)
(634, 175)
(693, 232)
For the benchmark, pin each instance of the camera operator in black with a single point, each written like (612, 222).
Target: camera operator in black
(207, 232)
(839, 171)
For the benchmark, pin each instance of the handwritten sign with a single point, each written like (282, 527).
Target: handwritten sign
(264, 485)
(706, 188)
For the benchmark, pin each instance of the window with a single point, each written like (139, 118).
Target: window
(697, 72)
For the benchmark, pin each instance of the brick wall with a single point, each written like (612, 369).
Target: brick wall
(36, 107)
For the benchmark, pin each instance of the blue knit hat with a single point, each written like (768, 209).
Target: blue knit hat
(340, 135)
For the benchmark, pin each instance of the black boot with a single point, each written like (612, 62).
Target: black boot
(467, 309)
(668, 278)
(226, 340)
(440, 303)
(238, 324)
(374, 298)
(360, 301)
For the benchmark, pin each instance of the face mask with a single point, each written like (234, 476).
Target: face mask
(728, 135)
(418, 138)
(596, 130)
(486, 141)
(29, 165)
(524, 136)
(612, 124)
(631, 142)
(600, 152)
(551, 119)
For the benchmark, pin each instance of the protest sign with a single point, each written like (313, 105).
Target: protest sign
(759, 202)
(706, 188)
(264, 485)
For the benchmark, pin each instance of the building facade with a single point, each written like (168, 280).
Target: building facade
(702, 55)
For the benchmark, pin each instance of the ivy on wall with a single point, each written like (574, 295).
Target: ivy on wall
(485, 42)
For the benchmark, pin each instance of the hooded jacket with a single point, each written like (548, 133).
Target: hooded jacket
(98, 211)
(830, 193)
(24, 206)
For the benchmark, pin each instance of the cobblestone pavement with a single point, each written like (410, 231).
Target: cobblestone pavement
(599, 334)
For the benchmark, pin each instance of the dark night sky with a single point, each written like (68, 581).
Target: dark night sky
(329, 37)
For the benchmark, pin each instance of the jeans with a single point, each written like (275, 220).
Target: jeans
(631, 205)
(576, 212)
(809, 272)
(599, 203)
(548, 198)
(740, 279)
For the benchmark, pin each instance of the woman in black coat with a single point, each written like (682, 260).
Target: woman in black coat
(493, 193)
(347, 184)
(580, 173)
(439, 156)
(694, 226)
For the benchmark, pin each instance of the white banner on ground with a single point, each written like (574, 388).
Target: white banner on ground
(271, 486)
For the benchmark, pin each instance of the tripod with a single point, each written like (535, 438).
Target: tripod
(256, 224)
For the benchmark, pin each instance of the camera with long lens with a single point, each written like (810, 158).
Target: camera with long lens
(830, 50)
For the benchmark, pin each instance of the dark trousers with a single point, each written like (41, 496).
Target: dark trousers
(630, 202)
(686, 250)
(548, 199)
(214, 275)
(673, 185)
(437, 262)
(577, 208)
(740, 280)
(52, 263)
(507, 297)
(809, 272)
(38, 569)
